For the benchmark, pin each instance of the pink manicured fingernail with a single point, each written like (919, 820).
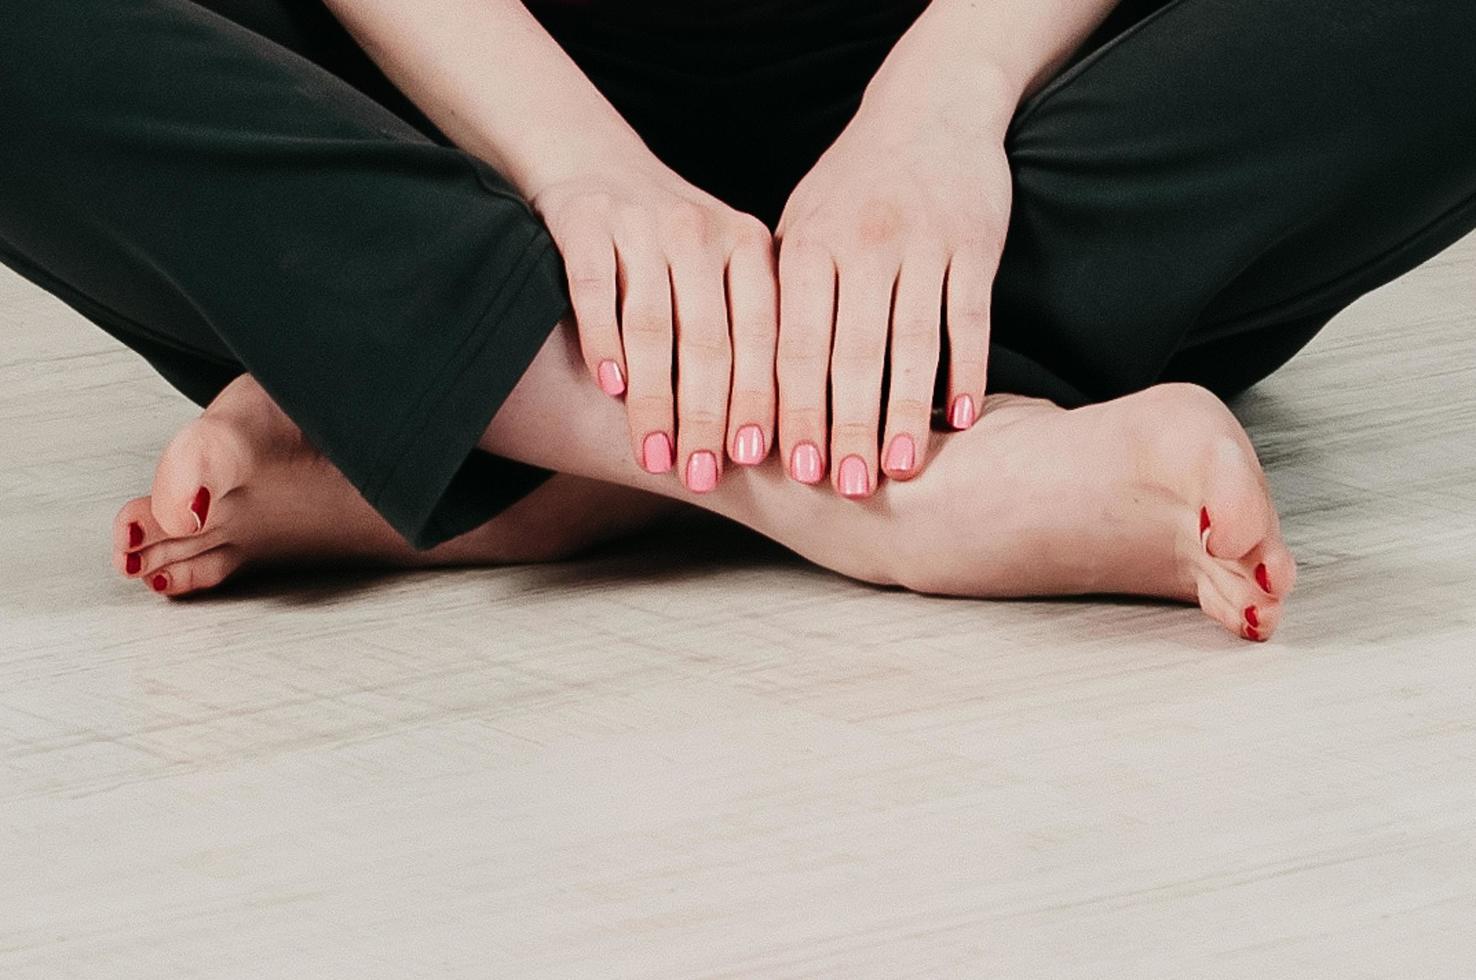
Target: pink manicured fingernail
(701, 472)
(855, 481)
(961, 416)
(901, 455)
(748, 445)
(611, 380)
(804, 463)
(656, 453)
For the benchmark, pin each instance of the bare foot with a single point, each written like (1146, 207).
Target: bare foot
(240, 487)
(1158, 493)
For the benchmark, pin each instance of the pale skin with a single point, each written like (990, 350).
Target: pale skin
(902, 220)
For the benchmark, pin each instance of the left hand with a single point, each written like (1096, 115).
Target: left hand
(893, 237)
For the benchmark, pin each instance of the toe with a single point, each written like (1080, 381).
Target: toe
(196, 574)
(134, 528)
(169, 552)
(1236, 514)
(205, 461)
(1228, 597)
(1273, 569)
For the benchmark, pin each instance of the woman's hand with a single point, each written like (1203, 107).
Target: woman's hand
(652, 263)
(888, 244)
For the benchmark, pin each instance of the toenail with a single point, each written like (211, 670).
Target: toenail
(1251, 633)
(135, 534)
(1252, 618)
(1204, 530)
(159, 583)
(1262, 578)
(132, 563)
(200, 507)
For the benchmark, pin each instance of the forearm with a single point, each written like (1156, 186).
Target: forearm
(494, 81)
(1000, 50)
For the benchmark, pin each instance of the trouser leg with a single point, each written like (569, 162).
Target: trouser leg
(222, 203)
(1196, 196)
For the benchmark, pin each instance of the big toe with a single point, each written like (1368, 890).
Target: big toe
(206, 460)
(1236, 515)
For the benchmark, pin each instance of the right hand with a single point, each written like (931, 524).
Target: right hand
(654, 264)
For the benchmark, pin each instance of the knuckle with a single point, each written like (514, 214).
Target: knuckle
(701, 418)
(801, 353)
(916, 331)
(854, 428)
(750, 232)
(861, 358)
(801, 410)
(879, 222)
(646, 326)
(909, 408)
(688, 223)
(745, 395)
(970, 313)
(648, 403)
(803, 248)
(707, 348)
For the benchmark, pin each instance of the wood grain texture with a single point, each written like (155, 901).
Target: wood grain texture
(704, 759)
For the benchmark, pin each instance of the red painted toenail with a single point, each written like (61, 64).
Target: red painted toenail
(1204, 530)
(135, 534)
(1251, 633)
(1262, 578)
(1252, 618)
(200, 507)
(132, 564)
(159, 583)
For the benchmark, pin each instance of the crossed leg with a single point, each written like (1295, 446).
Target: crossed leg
(1034, 500)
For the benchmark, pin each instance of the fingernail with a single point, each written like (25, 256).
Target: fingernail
(855, 481)
(804, 463)
(1252, 618)
(961, 416)
(612, 382)
(1263, 579)
(1251, 633)
(132, 563)
(135, 534)
(901, 455)
(656, 453)
(159, 583)
(200, 507)
(748, 445)
(1204, 530)
(701, 472)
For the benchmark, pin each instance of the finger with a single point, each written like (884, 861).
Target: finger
(969, 285)
(806, 315)
(646, 336)
(589, 265)
(916, 337)
(704, 365)
(857, 360)
(753, 313)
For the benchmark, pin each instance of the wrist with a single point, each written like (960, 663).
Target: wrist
(581, 156)
(961, 87)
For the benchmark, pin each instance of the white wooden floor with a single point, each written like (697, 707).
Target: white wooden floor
(679, 764)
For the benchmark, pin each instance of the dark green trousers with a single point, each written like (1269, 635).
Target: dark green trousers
(231, 186)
